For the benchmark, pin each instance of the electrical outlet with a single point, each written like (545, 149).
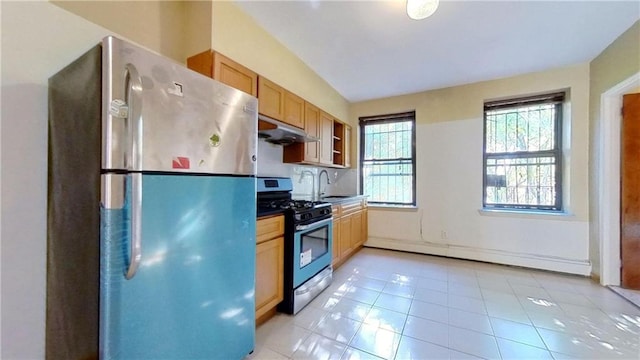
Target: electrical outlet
(443, 235)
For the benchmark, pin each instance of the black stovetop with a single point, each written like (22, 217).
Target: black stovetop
(272, 207)
(274, 197)
(290, 204)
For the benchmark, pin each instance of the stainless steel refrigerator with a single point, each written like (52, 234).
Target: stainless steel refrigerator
(151, 210)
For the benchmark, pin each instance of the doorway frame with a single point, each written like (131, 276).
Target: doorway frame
(609, 174)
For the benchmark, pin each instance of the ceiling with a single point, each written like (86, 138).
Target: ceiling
(371, 49)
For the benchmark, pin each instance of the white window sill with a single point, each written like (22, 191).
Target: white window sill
(529, 214)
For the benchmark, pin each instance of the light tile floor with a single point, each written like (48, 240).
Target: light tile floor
(631, 295)
(394, 305)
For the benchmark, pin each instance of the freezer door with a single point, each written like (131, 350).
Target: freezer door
(160, 116)
(192, 296)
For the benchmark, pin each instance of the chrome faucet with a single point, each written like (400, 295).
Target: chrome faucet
(313, 182)
(320, 192)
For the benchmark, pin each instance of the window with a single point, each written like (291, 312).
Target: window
(388, 158)
(523, 153)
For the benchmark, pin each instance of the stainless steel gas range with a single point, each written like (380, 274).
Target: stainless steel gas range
(308, 241)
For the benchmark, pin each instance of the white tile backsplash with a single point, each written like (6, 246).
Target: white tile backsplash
(270, 160)
(343, 181)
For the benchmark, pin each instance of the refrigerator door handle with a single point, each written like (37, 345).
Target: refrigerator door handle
(133, 161)
(135, 249)
(133, 90)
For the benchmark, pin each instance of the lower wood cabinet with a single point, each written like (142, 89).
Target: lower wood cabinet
(337, 225)
(356, 229)
(365, 223)
(346, 246)
(269, 265)
(349, 229)
(269, 275)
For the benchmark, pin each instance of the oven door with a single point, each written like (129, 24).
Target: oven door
(312, 244)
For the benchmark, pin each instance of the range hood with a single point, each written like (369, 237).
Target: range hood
(277, 132)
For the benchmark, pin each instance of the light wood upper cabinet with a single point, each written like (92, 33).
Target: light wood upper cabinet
(225, 70)
(341, 144)
(309, 152)
(294, 110)
(271, 99)
(276, 102)
(235, 75)
(326, 138)
(312, 128)
(346, 146)
(202, 63)
(332, 149)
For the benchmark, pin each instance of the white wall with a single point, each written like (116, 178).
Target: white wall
(38, 39)
(160, 25)
(449, 165)
(448, 220)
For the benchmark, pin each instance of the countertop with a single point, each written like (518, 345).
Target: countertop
(270, 212)
(332, 199)
(340, 199)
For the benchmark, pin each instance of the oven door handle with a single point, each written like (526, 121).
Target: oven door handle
(314, 225)
(305, 288)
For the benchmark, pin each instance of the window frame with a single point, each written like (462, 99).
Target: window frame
(388, 119)
(556, 98)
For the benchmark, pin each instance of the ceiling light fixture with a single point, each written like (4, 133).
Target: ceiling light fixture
(421, 9)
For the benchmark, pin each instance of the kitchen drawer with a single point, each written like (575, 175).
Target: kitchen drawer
(336, 211)
(349, 208)
(269, 228)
